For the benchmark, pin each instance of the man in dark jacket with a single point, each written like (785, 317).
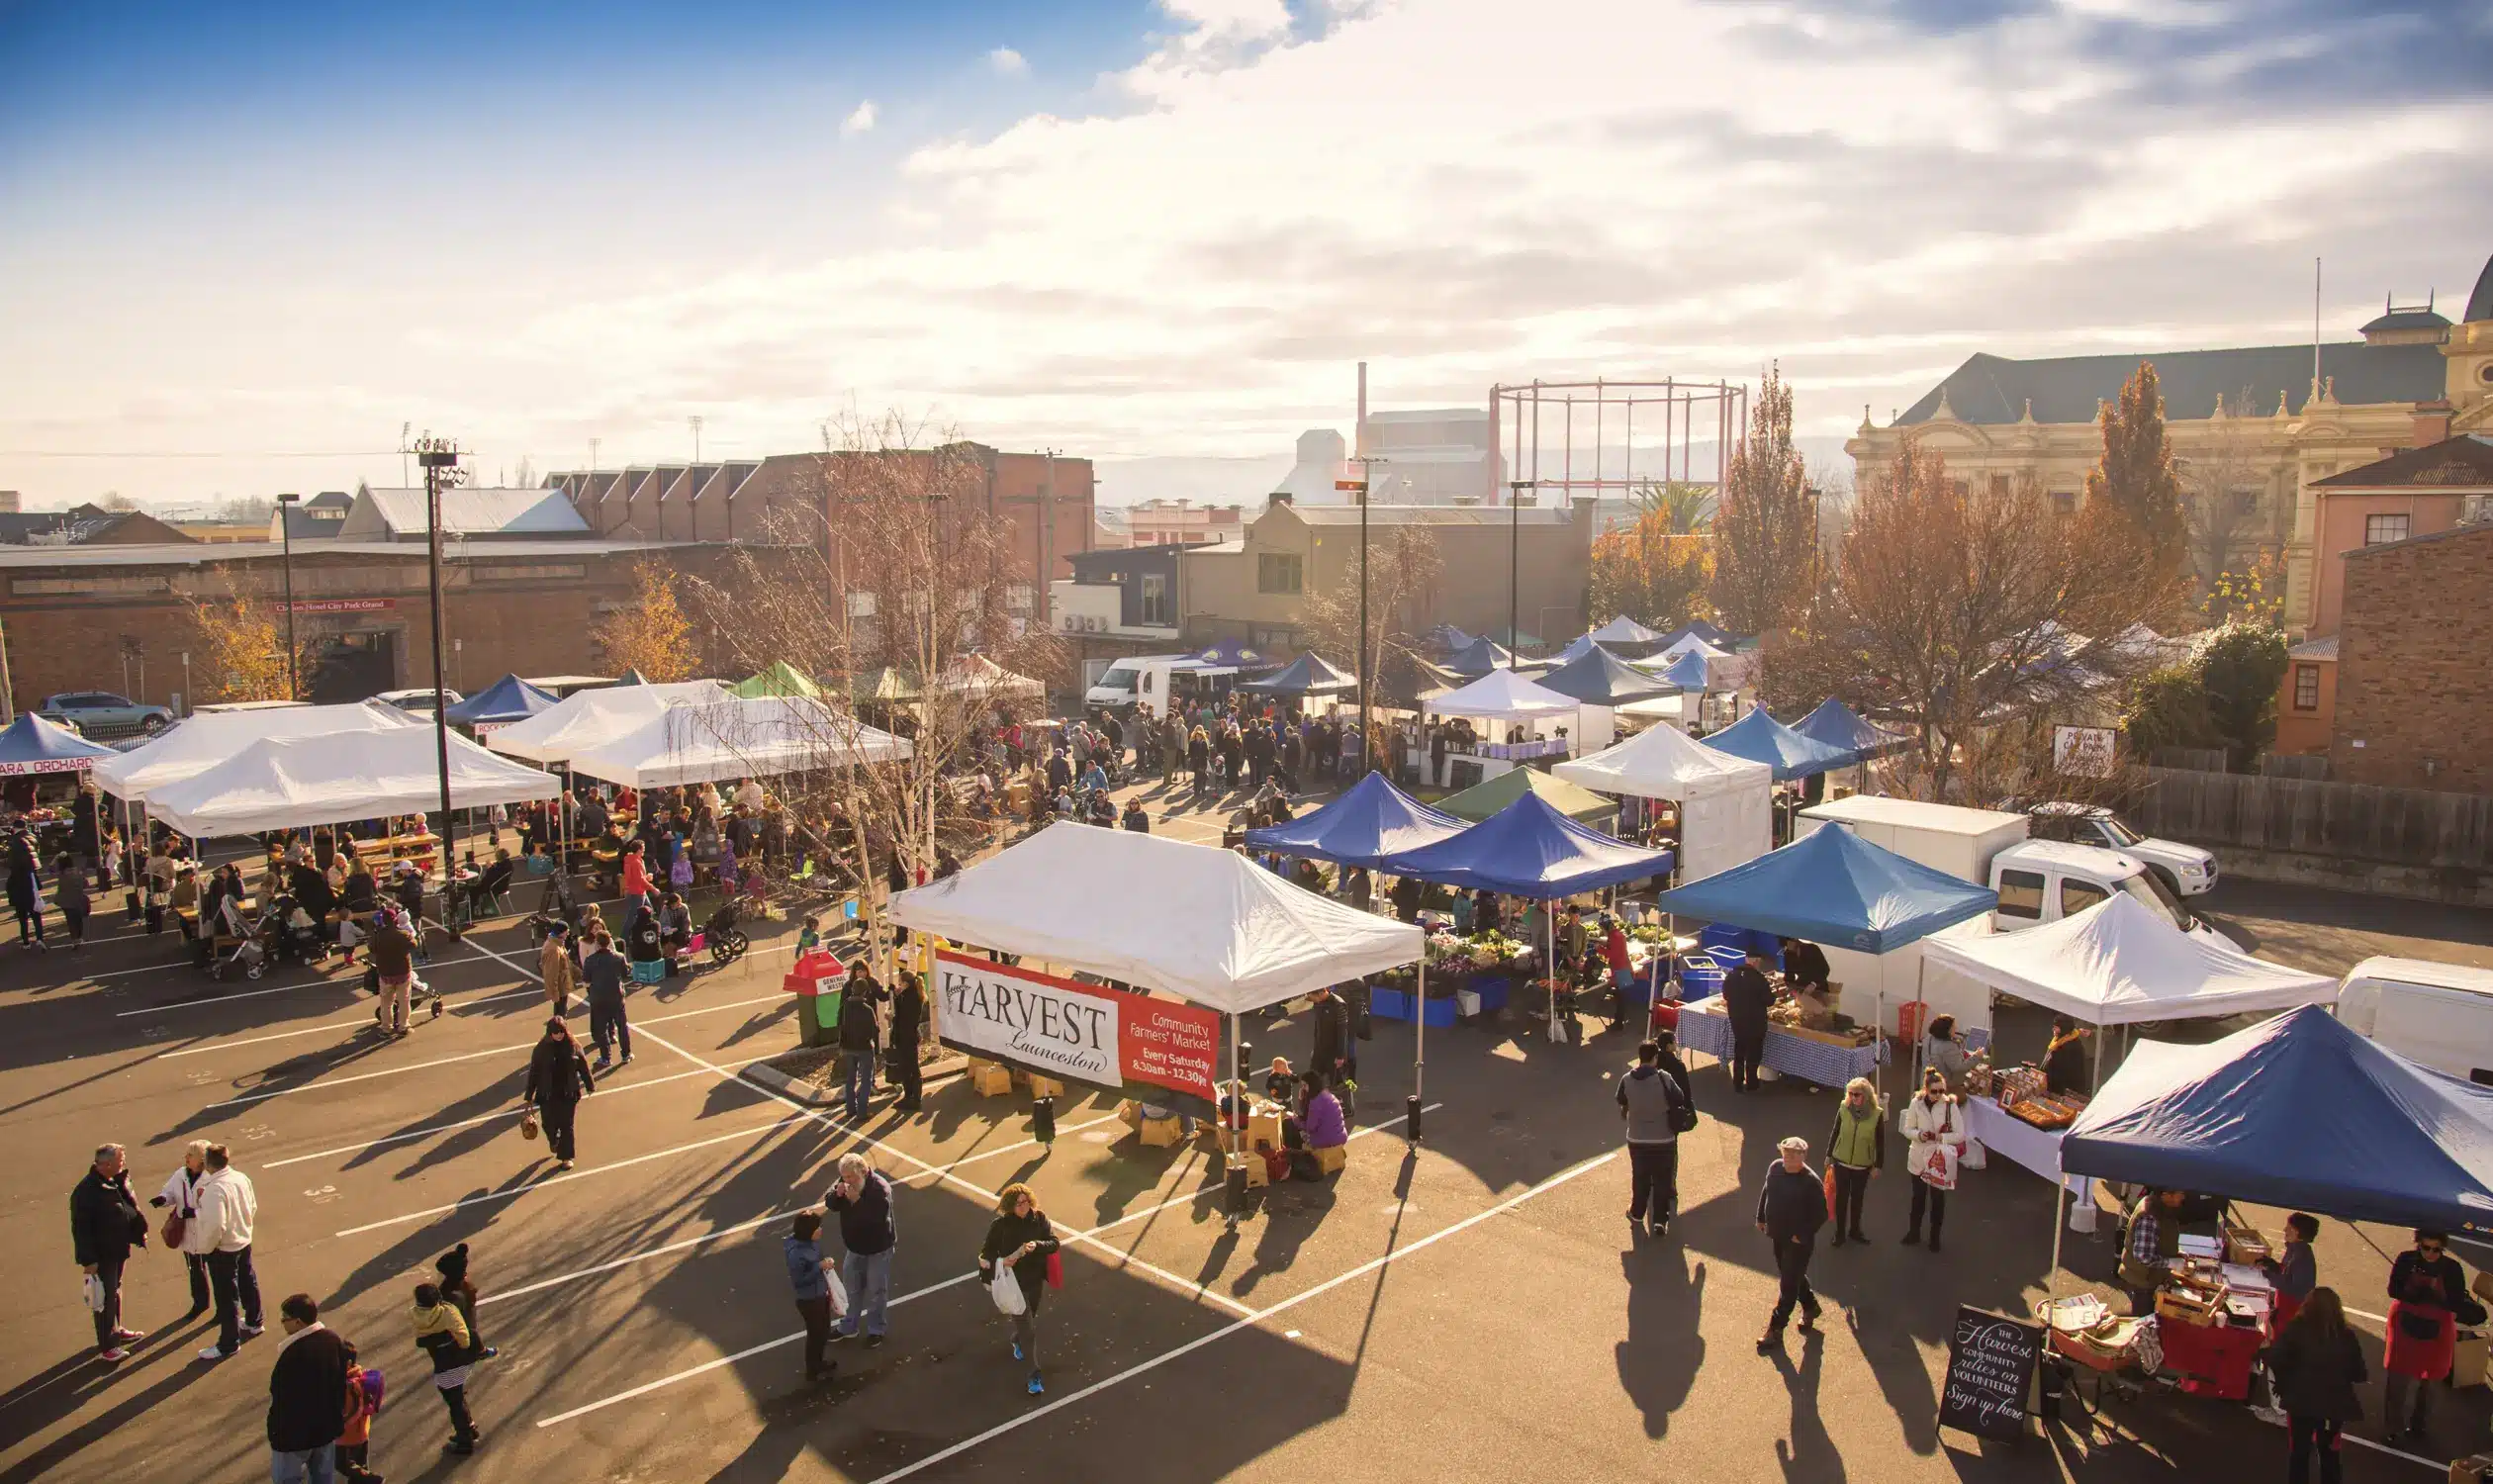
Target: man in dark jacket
(1746, 996)
(106, 1230)
(1669, 1061)
(860, 1033)
(1790, 1207)
(1331, 1053)
(1805, 965)
(908, 1023)
(861, 1199)
(307, 1395)
(605, 969)
(558, 1078)
(1649, 1102)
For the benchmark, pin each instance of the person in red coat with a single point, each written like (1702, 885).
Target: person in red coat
(2426, 1291)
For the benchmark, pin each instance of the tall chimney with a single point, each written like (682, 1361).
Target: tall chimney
(1359, 438)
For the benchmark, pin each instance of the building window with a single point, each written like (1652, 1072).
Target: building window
(2306, 688)
(2381, 529)
(1277, 571)
(1154, 606)
(2063, 501)
(1017, 598)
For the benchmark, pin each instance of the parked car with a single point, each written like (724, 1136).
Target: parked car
(99, 711)
(2185, 870)
(419, 702)
(2438, 1014)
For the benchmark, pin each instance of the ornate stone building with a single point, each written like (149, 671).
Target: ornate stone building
(2253, 429)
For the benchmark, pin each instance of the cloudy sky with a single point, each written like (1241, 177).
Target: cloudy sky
(244, 244)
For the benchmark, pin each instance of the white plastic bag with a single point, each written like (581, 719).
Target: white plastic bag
(94, 1292)
(1007, 1291)
(839, 1291)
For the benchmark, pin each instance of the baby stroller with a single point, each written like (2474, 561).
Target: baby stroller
(725, 941)
(291, 935)
(247, 953)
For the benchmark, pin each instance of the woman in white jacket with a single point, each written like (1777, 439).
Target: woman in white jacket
(1931, 1121)
(228, 1209)
(180, 1197)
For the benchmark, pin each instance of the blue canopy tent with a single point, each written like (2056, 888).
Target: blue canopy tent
(1529, 849)
(1839, 725)
(31, 744)
(1235, 654)
(506, 700)
(1760, 738)
(1577, 648)
(1370, 821)
(1601, 678)
(1702, 630)
(2297, 1111)
(1687, 672)
(1308, 674)
(1478, 658)
(1445, 639)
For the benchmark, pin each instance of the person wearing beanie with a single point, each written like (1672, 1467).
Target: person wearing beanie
(455, 1286)
(441, 1333)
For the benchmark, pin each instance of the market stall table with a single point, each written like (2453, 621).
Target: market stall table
(1703, 1027)
(2019, 1142)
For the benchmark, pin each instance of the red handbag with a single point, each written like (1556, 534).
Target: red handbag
(1056, 1269)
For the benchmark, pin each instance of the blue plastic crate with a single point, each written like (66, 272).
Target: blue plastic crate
(1701, 976)
(1493, 990)
(1437, 1015)
(1389, 1004)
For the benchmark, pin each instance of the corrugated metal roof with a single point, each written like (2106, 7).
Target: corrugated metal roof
(401, 512)
(1433, 514)
(1991, 388)
(199, 553)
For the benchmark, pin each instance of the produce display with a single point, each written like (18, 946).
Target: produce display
(2022, 1095)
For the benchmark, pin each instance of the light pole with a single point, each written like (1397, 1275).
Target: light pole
(285, 535)
(1515, 561)
(439, 458)
(1359, 489)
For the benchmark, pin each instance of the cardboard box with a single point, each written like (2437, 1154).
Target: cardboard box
(2471, 1470)
(1331, 1160)
(2467, 1362)
(1045, 1086)
(991, 1080)
(1160, 1133)
(2245, 1245)
(1256, 1176)
(1263, 1128)
(1131, 1112)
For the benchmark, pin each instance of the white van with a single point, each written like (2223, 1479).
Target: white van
(2045, 881)
(2438, 1014)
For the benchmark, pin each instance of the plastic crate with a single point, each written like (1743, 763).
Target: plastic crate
(1493, 990)
(1701, 976)
(1389, 1004)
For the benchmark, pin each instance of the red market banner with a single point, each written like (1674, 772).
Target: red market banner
(1077, 1032)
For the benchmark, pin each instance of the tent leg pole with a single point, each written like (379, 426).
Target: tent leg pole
(1234, 1172)
(1550, 961)
(2096, 1084)
(1419, 1051)
(2060, 1199)
(1921, 1031)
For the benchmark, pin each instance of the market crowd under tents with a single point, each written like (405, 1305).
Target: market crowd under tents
(288, 783)
(743, 737)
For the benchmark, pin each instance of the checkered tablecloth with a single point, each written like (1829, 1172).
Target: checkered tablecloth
(1814, 1062)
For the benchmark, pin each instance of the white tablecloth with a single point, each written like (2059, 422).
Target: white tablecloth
(1815, 1062)
(2019, 1142)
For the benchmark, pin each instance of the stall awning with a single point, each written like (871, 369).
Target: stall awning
(978, 677)
(199, 743)
(290, 783)
(1688, 672)
(1373, 819)
(592, 718)
(2117, 962)
(1481, 657)
(31, 744)
(1834, 887)
(1625, 630)
(1701, 630)
(778, 678)
(1500, 695)
(1205, 924)
(1838, 725)
(507, 700)
(1491, 795)
(1308, 674)
(1601, 678)
(2299, 1112)
(1529, 849)
(747, 737)
(1663, 762)
(1760, 738)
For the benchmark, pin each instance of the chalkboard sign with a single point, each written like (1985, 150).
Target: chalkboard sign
(1990, 1368)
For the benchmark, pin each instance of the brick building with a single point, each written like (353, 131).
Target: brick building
(119, 618)
(2414, 664)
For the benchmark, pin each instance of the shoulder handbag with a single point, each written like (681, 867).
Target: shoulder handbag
(176, 1225)
(2420, 1325)
(528, 1123)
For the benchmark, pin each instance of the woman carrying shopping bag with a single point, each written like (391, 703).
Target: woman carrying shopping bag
(1933, 1127)
(1856, 1150)
(1020, 1240)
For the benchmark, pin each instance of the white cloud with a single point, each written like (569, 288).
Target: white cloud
(1008, 62)
(1424, 184)
(860, 120)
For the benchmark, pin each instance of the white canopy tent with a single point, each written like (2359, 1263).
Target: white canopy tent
(1726, 813)
(287, 783)
(1623, 630)
(2118, 963)
(976, 675)
(1205, 924)
(1501, 695)
(587, 719)
(758, 736)
(1688, 643)
(201, 742)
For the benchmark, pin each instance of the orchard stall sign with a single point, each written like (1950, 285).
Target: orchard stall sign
(1082, 1033)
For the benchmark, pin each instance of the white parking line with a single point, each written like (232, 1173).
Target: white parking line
(1006, 1149)
(604, 1090)
(564, 1179)
(219, 999)
(499, 1051)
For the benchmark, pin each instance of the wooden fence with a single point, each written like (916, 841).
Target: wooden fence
(2349, 822)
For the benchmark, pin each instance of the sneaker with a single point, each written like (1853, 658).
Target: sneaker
(628, 1059)
(252, 1331)
(1017, 1350)
(842, 1337)
(1839, 1239)
(460, 1445)
(562, 1165)
(1036, 1386)
(489, 1352)
(874, 1342)
(1770, 1341)
(1808, 1324)
(127, 1336)
(602, 1063)
(113, 1357)
(214, 1354)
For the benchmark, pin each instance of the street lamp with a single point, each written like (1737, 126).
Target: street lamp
(1359, 489)
(439, 460)
(284, 534)
(1514, 560)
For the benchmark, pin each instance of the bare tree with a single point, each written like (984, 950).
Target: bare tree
(2222, 485)
(1404, 565)
(1964, 616)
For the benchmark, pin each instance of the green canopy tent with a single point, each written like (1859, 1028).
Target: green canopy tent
(780, 679)
(1489, 796)
(883, 685)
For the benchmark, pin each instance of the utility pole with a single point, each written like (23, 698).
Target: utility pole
(697, 438)
(440, 460)
(285, 531)
(1359, 489)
